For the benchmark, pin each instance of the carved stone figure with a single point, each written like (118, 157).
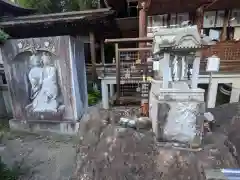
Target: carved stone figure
(175, 69)
(35, 76)
(44, 86)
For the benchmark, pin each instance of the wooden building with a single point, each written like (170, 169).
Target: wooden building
(136, 19)
(92, 26)
(219, 19)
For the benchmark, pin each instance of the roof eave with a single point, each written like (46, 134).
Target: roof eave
(55, 17)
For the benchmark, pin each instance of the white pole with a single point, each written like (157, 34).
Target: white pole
(209, 87)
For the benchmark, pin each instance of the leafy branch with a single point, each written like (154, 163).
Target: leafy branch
(52, 6)
(3, 36)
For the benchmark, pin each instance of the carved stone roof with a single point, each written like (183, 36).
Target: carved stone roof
(187, 37)
(9, 8)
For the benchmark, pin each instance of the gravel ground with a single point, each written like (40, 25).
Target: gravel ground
(39, 158)
(106, 151)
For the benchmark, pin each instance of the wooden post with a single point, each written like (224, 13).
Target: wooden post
(102, 52)
(117, 70)
(142, 55)
(93, 55)
(223, 36)
(199, 18)
(142, 23)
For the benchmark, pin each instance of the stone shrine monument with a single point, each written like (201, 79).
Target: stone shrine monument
(176, 103)
(47, 82)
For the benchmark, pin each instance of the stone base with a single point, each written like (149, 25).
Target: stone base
(57, 127)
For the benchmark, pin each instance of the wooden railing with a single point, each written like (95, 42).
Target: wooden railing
(228, 52)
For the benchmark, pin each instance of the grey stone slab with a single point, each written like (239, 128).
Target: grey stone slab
(46, 78)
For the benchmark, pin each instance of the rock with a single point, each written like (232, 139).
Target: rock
(111, 152)
(228, 123)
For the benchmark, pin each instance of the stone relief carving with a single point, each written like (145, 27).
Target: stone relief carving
(34, 46)
(44, 86)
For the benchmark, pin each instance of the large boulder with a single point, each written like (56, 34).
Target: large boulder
(108, 151)
(228, 122)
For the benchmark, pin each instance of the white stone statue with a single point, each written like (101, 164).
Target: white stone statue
(35, 76)
(176, 69)
(44, 86)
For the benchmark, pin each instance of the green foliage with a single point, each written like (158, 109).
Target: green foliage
(51, 6)
(3, 36)
(93, 97)
(7, 173)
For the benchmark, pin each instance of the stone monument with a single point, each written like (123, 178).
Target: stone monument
(47, 82)
(176, 103)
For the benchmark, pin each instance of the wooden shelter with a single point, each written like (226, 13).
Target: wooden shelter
(91, 25)
(154, 10)
(73, 23)
(150, 14)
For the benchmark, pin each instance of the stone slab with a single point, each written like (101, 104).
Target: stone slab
(60, 127)
(46, 78)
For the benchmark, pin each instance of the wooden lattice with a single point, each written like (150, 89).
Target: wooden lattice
(228, 52)
(135, 75)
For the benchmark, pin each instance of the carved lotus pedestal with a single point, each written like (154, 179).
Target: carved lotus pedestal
(47, 83)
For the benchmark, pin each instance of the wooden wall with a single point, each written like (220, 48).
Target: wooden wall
(228, 52)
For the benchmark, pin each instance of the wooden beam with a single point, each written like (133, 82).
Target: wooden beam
(134, 49)
(199, 19)
(118, 71)
(102, 52)
(210, 4)
(143, 39)
(223, 36)
(142, 22)
(93, 55)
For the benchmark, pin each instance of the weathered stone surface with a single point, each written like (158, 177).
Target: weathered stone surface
(109, 152)
(228, 122)
(46, 78)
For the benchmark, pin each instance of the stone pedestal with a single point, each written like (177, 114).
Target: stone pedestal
(47, 80)
(175, 112)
